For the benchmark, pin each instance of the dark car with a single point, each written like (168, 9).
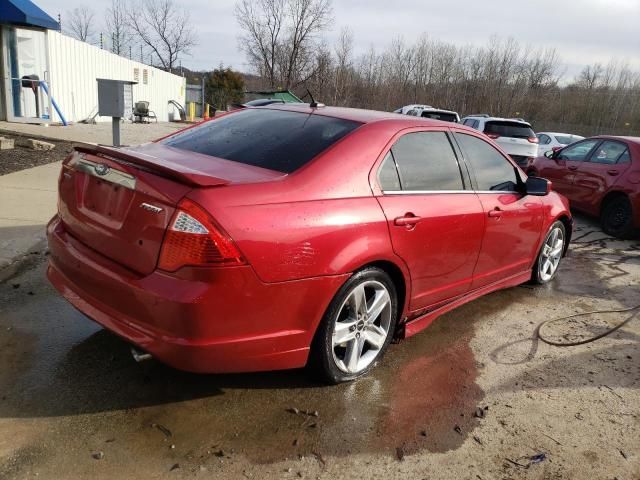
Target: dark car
(600, 176)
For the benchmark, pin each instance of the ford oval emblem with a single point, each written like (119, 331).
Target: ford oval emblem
(101, 169)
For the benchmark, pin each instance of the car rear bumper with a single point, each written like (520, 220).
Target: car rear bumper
(232, 322)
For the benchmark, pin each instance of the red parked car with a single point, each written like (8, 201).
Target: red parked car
(276, 237)
(600, 176)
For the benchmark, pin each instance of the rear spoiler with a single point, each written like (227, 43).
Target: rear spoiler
(165, 167)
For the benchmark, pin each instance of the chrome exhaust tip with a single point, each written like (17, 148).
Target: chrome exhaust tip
(139, 355)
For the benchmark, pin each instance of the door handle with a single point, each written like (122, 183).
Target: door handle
(572, 167)
(495, 213)
(612, 172)
(409, 220)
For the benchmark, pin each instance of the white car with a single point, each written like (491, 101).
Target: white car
(547, 141)
(427, 111)
(514, 135)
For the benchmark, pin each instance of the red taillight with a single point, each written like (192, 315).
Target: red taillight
(194, 238)
(533, 139)
(493, 136)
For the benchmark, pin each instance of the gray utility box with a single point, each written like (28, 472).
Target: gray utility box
(115, 98)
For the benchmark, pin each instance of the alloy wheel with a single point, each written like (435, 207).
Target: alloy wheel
(551, 254)
(361, 326)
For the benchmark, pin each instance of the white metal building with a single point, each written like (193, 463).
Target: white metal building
(48, 76)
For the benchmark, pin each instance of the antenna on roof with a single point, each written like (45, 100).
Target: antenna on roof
(312, 103)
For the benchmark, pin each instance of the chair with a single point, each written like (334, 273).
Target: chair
(142, 114)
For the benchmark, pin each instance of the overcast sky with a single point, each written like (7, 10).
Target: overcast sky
(582, 31)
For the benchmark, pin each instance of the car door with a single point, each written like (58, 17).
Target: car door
(435, 220)
(561, 169)
(512, 220)
(594, 177)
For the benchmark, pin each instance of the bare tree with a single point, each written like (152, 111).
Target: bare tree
(280, 37)
(164, 28)
(118, 29)
(81, 23)
(344, 73)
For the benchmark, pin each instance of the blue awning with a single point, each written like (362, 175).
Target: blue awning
(25, 13)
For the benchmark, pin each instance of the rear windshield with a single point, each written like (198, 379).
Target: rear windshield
(509, 129)
(274, 139)
(445, 117)
(567, 139)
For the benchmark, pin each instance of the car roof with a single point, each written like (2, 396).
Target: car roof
(355, 114)
(434, 109)
(501, 119)
(417, 105)
(618, 137)
(560, 133)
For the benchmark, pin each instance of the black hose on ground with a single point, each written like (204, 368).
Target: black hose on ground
(591, 339)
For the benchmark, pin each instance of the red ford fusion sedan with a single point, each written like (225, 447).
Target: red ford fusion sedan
(600, 176)
(284, 236)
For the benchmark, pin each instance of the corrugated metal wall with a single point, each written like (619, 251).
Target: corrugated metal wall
(75, 65)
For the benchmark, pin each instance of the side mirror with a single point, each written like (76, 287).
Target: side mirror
(549, 154)
(537, 186)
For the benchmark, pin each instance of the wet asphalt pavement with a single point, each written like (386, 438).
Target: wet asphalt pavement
(74, 404)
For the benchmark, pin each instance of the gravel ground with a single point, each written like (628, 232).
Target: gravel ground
(474, 396)
(22, 157)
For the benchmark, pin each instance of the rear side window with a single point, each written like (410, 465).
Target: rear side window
(625, 157)
(608, 152)
(493, 172)
(509, 129)
(275, 139)
(544, 139)
(388, 174)
(426, 161)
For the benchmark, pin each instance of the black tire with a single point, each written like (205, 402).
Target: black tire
(617, 218)
(537, 276)
(322, 358)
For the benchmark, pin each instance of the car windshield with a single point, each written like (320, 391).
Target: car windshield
(444, 116)
(509, 129)
(275, 139)
(567, 139)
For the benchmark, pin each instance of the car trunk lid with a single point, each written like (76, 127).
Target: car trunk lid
(119, 201)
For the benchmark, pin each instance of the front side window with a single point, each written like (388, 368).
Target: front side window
(608, 152)
(275, 139)
(493, 172)
(426, 162)
(577, 152)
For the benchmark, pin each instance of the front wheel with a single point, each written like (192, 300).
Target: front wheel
(550, 255)
(357, 328)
